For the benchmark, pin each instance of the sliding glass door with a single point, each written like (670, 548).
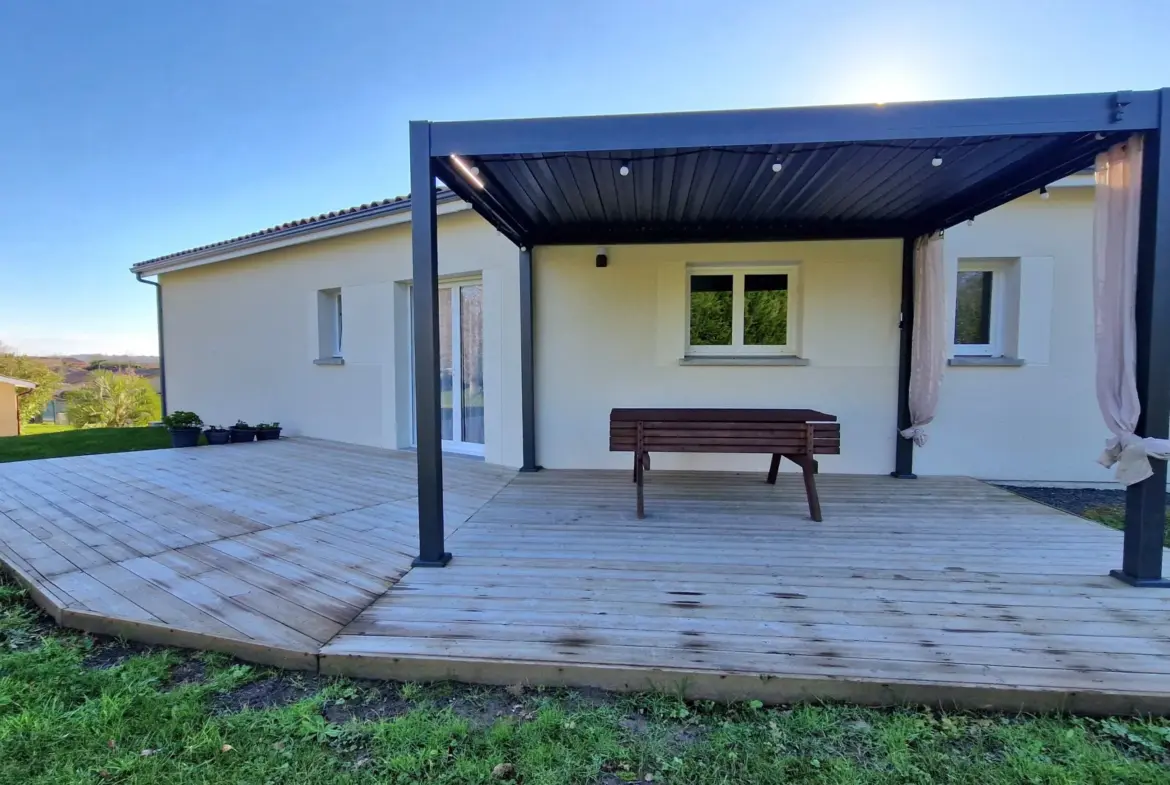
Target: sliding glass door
(461, 365)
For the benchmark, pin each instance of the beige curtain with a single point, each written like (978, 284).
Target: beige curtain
(928, 353)
(1115, 243)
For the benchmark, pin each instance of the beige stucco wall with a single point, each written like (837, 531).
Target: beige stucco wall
(613, 337)
(9, 425)
(1039, 421)
(241, 336)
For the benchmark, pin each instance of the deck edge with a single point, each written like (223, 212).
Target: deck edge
(45, 599)
(165, 635)
(727, 686)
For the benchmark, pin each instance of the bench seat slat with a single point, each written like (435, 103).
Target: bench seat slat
(740, 449)
(691, 427)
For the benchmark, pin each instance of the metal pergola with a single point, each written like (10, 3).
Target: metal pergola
(813, 173)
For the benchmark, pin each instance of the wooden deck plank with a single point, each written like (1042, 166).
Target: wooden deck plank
(322, 580)
(166, 606)
(751, 640)
(296, 589)
(1104, 638)
(225, 609)
(89, 592)
(298, 553)
(569, 651)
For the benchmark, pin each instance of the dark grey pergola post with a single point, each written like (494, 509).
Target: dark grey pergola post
(1145, 502)
(904, 448)
(527, 364)
(427, 402)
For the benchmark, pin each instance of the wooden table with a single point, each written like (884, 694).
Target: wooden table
(795, 434)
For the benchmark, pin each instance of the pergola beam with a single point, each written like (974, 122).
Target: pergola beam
(1085, 113)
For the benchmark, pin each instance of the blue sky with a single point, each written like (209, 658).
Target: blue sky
(134, 128)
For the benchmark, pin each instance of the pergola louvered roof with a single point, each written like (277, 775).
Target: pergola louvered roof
(775, 174)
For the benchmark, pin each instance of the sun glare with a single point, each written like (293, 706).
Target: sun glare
(879, 85)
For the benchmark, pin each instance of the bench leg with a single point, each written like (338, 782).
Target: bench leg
(639, 476)
(809, 468)
(774, 469)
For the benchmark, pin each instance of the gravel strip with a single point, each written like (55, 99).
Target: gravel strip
(1074, 500)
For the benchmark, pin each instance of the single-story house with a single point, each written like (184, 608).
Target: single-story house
(916, 270)
(309, 324)
(10, 391)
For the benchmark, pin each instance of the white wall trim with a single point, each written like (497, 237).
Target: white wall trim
(264, 244)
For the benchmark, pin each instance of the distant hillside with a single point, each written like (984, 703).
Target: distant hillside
(76, 369)
(147, 360)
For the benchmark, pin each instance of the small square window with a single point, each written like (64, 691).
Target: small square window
(330, 324)
(979, 309)
(740, 311)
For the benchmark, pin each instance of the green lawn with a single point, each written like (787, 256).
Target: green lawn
(1113, 516)
(76, 710)
(81, 441)
(36, 429)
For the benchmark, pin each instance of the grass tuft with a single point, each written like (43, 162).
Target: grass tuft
(1113, 516)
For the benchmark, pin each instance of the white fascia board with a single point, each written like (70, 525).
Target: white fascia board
(309, 235)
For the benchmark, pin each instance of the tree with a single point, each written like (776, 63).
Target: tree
(113, 400)
(32, 402)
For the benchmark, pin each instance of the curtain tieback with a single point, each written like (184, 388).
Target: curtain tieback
(916, 433)
(1131, 455)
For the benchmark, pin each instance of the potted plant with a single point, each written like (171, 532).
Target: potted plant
(267, 431)
(185, 428)
(217, 434)
(242, 432)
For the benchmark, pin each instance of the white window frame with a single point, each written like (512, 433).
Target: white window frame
(338, 324)
(456, 445)
(737, 273)
(998, 313)
(329, 325)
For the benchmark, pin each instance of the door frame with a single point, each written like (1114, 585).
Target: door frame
(449, 445)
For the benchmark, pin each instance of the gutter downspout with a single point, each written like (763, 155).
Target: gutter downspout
(162, 357)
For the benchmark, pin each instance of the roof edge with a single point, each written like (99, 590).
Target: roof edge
(18, 382)
(388, 212)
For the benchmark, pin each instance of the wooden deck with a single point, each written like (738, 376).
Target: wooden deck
(298, 553)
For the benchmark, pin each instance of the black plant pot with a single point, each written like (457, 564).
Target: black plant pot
(241, 435)
(185, 437)
(217, 437)
(267, 434)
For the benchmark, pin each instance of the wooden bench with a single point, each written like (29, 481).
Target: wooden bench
(795, 434)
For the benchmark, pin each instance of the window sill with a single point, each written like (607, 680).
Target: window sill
(745, 360)
(329, 361)
(972, 361)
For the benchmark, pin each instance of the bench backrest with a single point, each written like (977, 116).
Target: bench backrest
(791, 438)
